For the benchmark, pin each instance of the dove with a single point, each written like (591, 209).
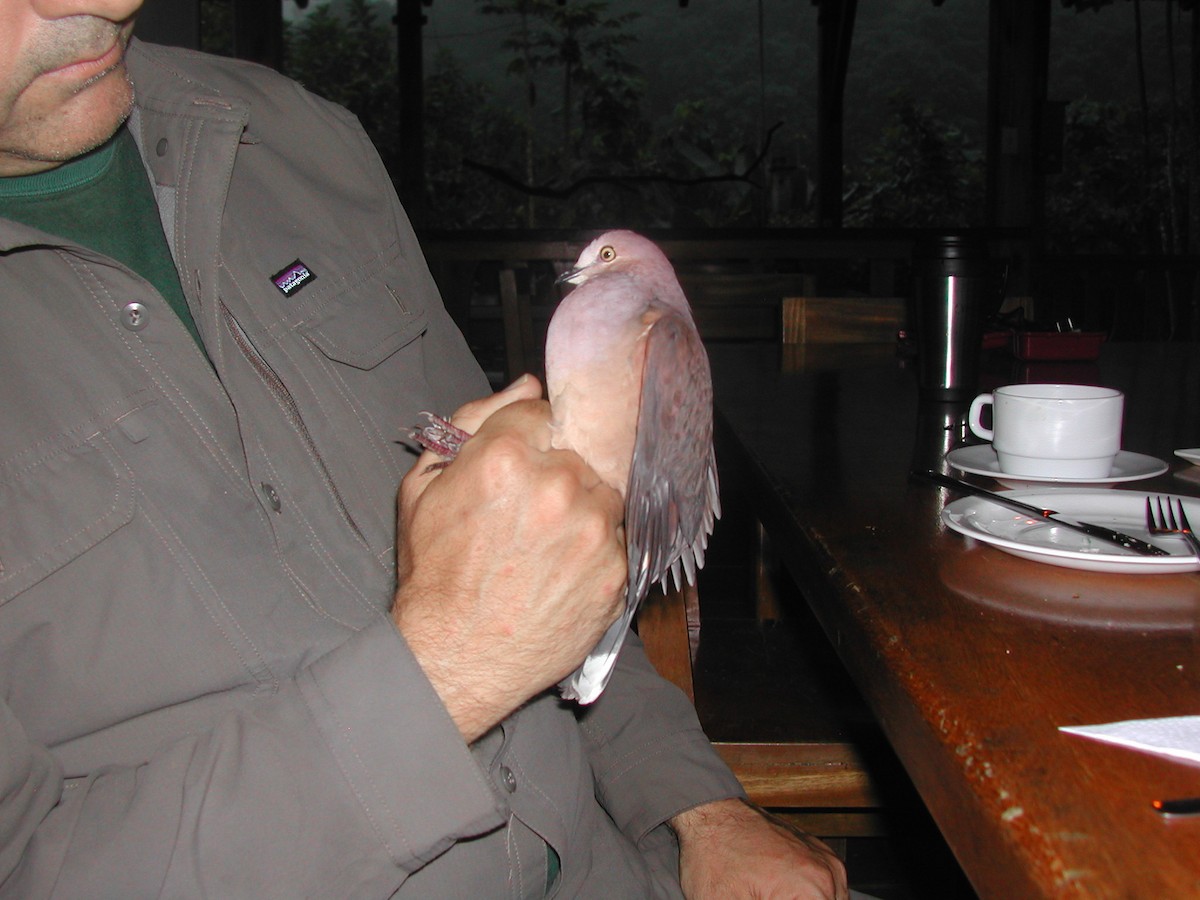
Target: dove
(630, 391)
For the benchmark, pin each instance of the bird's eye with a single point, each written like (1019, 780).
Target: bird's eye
(608, 254)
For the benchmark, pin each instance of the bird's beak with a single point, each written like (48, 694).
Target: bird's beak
(571, 276)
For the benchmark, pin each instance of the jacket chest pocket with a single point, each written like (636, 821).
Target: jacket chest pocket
(363, 328)
(344, 365)
(369, 346)
(358, 315)
(349, 349)
(55, 508)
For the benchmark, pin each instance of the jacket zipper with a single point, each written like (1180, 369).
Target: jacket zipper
(285, 399)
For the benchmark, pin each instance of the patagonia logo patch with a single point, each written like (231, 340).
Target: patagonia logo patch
(293, 277)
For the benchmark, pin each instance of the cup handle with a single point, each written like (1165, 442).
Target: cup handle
(975, 417)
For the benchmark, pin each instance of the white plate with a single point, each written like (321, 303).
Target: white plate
(1192, 455)
(980, 459)
(1043, 541)
(1070, 597)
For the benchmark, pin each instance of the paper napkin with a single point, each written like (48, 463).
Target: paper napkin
(1177, 736)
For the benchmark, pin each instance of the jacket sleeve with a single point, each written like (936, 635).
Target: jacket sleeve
(347, 778)
(649, 755)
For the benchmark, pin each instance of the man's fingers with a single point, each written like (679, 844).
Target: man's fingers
(517, 410)
(471, 415)
(527, 419)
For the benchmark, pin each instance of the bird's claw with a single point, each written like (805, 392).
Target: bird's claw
(440, 436)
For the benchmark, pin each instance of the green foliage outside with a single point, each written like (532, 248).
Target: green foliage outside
(579, 149)
(586, 155)
(1112, 196)
(462, 120)
(349, 57)
(922, 172)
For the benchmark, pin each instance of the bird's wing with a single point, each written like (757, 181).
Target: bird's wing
(672, 498)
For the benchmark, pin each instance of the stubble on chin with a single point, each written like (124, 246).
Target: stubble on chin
(117, 110)
(62, 135)
(50, 131)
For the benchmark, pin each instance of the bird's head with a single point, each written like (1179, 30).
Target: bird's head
(616, 251)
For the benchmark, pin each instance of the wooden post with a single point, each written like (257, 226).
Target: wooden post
(410, 179)
(835, 30)
(1018, 60)
(172, 22)
(258, 32)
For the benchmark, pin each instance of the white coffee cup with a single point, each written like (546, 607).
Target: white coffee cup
(1052, 430)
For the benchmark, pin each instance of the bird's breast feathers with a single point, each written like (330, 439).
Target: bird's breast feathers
(595, 414)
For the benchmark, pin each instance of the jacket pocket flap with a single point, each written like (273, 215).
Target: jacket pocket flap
(365, 326)
(55, 510)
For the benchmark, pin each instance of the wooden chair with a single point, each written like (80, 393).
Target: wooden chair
(818, 323)
(527, 300)
(740, 306)
(516, 307)
(842, 320)
(817, 780)
(727, 306)
(811, 771)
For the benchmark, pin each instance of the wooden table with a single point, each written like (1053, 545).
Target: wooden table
(971, 658)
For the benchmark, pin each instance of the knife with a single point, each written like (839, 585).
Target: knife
(1183, 806)
(1097, 531)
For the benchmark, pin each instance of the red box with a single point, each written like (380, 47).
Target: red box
(1057, 345)
(997, 340)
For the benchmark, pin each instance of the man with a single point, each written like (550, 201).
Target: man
(224, 671)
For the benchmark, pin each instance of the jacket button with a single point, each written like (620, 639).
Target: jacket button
(508, 779)
(135, 316)
(161, 147)
(272, 497)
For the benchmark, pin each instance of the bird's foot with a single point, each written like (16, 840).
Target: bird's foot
(441, 437)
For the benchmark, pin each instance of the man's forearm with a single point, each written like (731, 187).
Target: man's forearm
(265, 802)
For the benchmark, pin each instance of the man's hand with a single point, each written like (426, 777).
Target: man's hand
(731, 849)
(511, 561)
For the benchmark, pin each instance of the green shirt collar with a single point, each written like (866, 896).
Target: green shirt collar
(75, 173)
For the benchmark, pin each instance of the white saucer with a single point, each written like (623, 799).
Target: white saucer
(980, 459)
(1042, 541)
(1192, 455)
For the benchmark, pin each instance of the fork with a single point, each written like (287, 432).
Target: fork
(1170, 520)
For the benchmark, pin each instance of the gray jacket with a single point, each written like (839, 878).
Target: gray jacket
(200, 692)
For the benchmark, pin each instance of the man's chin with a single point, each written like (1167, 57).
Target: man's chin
(84, 122)
(103, 106)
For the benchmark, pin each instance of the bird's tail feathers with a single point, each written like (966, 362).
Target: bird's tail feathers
(689, 563)
(587, 682)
